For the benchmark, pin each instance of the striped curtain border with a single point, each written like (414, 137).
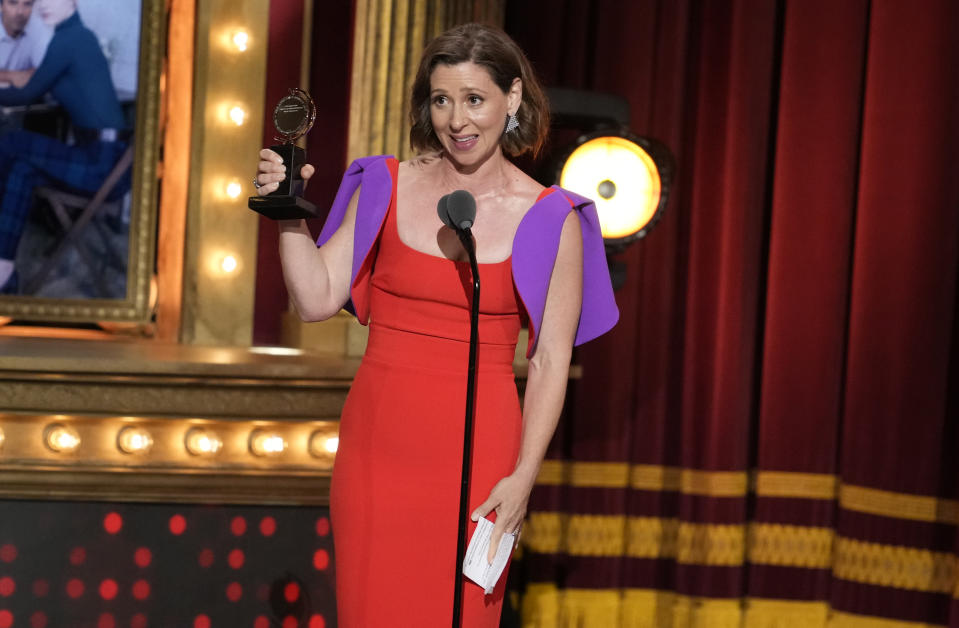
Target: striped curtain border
(546, 606)
(762, 483)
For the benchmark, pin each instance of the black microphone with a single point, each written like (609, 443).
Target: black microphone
(457, 210)
(461, 207)
(443, 212)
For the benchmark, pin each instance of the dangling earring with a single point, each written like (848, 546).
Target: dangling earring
(512, 123)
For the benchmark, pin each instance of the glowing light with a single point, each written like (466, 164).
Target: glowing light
(237, 115)
(141, 591)
(2, 438)
(228, 264)
(112, 523)
(621, 177)
(264, 443)
(202, 442)
(276, 350)
(234, 189)
(241, 39)
(323, 443)
(134, 440)
(267, 526)
(61, 438)
(177, 524)
(321, 559)
(143, 557)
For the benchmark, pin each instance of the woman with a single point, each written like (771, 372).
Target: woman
(385, 254)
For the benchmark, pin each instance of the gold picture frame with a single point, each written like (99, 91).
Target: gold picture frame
(136, 305)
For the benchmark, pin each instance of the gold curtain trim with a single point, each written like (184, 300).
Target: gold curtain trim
(737, 484)
(638, 537)
(900, 505)
(799, 485)
(644, 477)
(732, 545)
(848, 620)
(895, 566)
(546, 606)
(791, 546)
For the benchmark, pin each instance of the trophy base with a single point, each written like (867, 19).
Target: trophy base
(283, 207)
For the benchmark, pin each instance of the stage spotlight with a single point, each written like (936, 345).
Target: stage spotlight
(627, 176)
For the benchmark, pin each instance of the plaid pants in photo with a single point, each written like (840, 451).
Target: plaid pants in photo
(28, 160)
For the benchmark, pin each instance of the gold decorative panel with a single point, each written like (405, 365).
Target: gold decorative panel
(96, 389)
(221, 233)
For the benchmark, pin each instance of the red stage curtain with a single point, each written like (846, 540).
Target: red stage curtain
(768, 437)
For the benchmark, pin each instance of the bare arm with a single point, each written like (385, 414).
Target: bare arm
(545, 386)
(318, 279)
(17, 78)
(39, 82)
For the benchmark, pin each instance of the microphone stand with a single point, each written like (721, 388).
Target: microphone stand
(466, 237)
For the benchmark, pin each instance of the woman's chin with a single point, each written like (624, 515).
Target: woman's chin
(467, 159)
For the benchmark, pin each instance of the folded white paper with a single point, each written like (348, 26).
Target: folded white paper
(475, 566)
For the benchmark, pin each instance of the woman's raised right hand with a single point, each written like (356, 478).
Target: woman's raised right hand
(271, 171)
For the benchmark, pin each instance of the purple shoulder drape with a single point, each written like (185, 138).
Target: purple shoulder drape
(534, 247)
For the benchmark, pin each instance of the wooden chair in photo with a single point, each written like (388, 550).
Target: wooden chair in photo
(73, 213)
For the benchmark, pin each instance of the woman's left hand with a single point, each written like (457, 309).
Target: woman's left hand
(508, 498)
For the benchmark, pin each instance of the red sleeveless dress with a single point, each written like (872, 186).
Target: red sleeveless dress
(396, 481)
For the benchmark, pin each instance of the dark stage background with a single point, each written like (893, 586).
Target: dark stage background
(768, 436)
(98, 565)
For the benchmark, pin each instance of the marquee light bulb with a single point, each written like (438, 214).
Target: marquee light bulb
(202, 442)
(234, 189)
(134, 440)
(61, 438)
(228, 264)
(323, 443)
(263, 443)
(241, 40)
(3, 437)
(237, 115)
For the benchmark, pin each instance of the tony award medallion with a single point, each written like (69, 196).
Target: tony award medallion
(293, 118)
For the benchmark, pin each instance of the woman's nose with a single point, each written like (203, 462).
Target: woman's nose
(457, 118)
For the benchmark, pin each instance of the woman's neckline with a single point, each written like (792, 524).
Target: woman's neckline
(394, 175)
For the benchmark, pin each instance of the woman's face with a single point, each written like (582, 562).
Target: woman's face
(55, 11)
(468, 111)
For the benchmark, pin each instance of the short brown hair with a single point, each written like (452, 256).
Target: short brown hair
(493, 49)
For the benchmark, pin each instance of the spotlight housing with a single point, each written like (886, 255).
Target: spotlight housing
(627, 176)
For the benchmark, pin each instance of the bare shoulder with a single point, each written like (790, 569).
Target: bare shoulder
(424, 163)
(524, 189)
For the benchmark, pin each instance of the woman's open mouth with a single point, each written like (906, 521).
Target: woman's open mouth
(465, 142)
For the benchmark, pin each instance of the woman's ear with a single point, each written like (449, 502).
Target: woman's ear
(515, 95)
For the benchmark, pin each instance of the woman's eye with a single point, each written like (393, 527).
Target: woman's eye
(439, 100)
(475, 100)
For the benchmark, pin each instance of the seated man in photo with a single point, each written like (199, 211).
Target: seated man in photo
(21, 50)
(75, 71)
